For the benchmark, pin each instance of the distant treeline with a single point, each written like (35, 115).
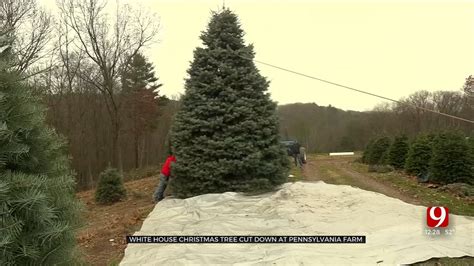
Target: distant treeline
(83, 119)
(328, 129)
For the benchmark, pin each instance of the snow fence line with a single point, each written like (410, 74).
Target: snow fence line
(395, 231)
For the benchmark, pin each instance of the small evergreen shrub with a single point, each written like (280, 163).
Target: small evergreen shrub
(384, 160)
(110, 188)
(419, 156)
(366, 154)
(452, 159)
(378, 153)
(398, 152)
(470, 140)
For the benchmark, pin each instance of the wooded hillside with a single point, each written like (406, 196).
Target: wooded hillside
(82, 118)
(327, 128)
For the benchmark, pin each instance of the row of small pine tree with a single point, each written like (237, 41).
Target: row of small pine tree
(443, 157)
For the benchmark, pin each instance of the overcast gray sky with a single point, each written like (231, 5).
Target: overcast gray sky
(392, 48)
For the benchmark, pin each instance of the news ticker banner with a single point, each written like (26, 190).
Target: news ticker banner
(330, 239)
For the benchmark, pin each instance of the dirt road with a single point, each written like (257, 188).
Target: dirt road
(338, 171)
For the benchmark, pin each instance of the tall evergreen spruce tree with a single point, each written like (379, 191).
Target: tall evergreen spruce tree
(398, 152)
(226, 135)
(38, 211)
(140, 104)
(139, 74)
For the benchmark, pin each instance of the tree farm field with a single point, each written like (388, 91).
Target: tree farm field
(102, 239)
(96, 94)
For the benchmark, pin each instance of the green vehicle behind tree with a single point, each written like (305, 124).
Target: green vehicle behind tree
(295, 150)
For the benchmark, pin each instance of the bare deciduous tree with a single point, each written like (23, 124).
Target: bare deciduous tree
(109, 44)
(30, 28)
(468, 87)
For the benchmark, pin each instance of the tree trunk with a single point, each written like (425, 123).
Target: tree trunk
(115, 138)
(137, 150)
(144, 156)
(91, 176)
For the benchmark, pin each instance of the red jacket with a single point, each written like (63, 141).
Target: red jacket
(166, 169)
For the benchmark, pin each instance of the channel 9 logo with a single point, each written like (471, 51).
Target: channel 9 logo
(437, 217)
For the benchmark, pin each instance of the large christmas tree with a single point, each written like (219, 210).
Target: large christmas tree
(226, 135)
(38, 211)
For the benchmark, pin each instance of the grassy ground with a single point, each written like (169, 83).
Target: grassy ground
(296, 174)
(427, 196)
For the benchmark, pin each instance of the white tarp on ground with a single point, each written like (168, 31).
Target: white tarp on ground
(394, 229)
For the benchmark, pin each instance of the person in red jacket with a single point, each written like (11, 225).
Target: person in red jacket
(164, 178)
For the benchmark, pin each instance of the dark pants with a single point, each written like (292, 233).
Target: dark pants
(298, 160)
(160, 190)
